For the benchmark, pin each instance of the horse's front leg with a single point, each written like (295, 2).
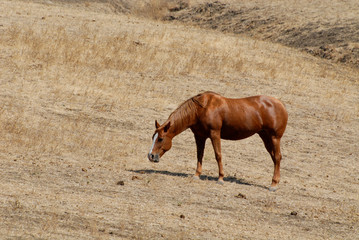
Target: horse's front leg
(200, 143)
(216, 142)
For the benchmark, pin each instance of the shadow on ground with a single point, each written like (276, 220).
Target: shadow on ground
(202, 177)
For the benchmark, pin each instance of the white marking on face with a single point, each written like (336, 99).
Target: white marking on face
(154, 141)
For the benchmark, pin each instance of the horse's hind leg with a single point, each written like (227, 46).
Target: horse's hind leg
(276, 160)
(272, 144)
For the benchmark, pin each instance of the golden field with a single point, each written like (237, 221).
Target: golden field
(82, 83)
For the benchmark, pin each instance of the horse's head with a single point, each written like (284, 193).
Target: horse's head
(161, 142)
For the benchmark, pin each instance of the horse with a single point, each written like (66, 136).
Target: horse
(210, 115)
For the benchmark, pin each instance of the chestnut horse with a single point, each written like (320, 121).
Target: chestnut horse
(209, 115)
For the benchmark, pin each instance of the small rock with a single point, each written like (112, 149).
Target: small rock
(240, 195)
(135, 177)
(121, 183)
(182, 216)
(293, 213)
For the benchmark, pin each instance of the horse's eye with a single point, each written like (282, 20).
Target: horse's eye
(160, 139)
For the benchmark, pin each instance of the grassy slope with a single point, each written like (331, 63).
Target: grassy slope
(80, 90)
(325, 29)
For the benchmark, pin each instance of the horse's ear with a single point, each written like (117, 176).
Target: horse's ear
(157, 125)
(168, 125)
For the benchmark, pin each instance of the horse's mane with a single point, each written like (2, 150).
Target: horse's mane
(184, 112)
(187, 111)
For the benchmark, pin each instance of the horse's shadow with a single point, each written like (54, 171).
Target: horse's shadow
(231, 179)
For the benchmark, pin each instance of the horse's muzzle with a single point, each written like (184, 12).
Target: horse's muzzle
(153, 157)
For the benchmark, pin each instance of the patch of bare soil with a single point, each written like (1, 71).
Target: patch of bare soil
(336, 40)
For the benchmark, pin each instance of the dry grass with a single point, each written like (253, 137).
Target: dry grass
(319, 28)
(80, 90)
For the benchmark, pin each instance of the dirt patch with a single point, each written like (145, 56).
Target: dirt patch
(335, 40)
(223, 17)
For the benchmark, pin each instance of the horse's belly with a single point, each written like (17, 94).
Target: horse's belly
(240, 127)
(231, 134)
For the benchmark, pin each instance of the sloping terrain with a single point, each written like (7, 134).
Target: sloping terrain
(328, 30)
(81, 84)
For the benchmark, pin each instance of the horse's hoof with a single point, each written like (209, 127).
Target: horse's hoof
(221, 182)
(195, 177)
(273, 189)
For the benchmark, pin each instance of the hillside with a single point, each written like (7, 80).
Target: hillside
(81, 84)
(327, 30)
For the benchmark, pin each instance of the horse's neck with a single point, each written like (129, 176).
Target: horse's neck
(180, 125)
